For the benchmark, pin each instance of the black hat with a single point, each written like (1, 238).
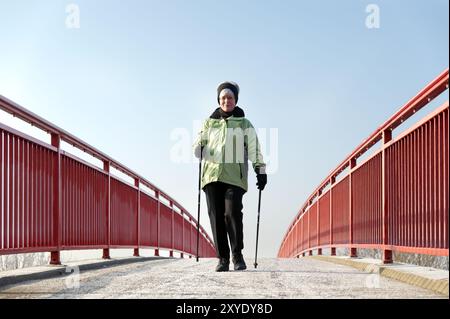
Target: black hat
(228, 85)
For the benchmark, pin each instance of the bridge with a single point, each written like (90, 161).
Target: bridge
(395, 200)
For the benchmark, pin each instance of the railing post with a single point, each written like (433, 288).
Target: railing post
(309, 224)
(172, 239)
(319, 250)
(387, 253)
(296, 237)
(106, 168)
(138, 227)
(291, 242)
(353, 252)
(190, 237)
(157, 222)
(199, 239)
(55, 257)
(333, 249)
(182, 234)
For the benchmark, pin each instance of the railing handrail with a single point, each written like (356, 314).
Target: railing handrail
(41, 123)
(428, 93)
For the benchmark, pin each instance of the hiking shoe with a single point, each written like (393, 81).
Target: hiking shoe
(223, 265)
(239, 263)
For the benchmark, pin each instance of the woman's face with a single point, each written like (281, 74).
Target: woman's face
(227, 101)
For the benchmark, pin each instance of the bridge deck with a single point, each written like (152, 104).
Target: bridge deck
(185, 278)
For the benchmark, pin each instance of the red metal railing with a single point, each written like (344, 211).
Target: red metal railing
(396, 200)
(53, 201)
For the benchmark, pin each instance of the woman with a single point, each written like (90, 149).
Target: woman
(227, 141)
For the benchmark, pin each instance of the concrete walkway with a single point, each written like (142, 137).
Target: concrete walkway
(187, 279)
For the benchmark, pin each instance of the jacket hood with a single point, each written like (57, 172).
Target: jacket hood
(218, 113)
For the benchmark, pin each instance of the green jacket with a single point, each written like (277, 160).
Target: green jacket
(228, 144)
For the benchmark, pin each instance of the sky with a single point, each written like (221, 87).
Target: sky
(127, 76)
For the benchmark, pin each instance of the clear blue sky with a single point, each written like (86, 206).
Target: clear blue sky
(136, 70)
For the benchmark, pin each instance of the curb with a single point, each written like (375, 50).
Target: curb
(61, 270)
(437, 285)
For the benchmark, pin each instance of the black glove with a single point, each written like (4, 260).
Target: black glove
(262, 181)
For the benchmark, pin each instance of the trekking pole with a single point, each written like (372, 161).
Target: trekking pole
(257, 230)
(199, 192)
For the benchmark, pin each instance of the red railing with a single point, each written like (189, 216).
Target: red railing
(52, 201)
(396, 200)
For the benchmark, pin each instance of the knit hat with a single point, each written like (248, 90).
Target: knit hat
(228, 85)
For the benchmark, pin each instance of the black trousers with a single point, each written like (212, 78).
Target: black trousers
(225, 214)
